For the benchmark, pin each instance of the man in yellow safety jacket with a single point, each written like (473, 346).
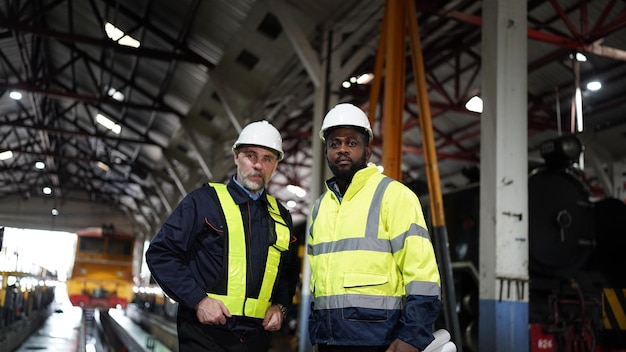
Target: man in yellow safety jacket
(375, 279)
(227, 254)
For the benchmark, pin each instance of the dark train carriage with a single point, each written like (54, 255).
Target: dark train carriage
(576, 243)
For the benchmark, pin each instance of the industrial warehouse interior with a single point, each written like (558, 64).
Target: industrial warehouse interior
(111, 112)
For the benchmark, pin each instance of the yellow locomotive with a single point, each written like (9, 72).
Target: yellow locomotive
(102, 273)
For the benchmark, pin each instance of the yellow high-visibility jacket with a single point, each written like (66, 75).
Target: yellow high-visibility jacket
(374, 272)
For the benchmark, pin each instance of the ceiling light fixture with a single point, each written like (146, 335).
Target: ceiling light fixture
(40, 165)
(361, 80)
(15, 95)
(594, 86)
(365, 78)
(6, 155)
(129, 41)
(116, 94)
(297, 190)
(103, 166)
(475, 104)
(119, 36)
(580, 57)
(578, 100)
(113, 32)
(108, 123)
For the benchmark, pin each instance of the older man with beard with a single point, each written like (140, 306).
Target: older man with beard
(227, 254)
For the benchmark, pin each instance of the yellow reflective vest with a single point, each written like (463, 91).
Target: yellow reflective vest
(235, 299)
(367, 252)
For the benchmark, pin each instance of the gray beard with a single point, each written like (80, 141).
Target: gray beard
(252, 186)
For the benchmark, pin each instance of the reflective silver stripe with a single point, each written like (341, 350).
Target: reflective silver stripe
(397, 243)
(371, 241)
(316, 206)
(368, 244)
(373, 215)
(314, 211)
(361, 301)
(351, 244)
(423, 288)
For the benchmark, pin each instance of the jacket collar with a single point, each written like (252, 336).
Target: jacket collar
(242, 195)
(358, 181)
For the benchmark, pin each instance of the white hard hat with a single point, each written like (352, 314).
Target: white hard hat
(346, 115)
(263, 134)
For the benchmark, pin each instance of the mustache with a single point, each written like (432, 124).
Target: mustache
(252, 173)
(246, 176)
(342, 158)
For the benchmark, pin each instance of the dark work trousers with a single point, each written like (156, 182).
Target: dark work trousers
(194, 337)
(326, 348)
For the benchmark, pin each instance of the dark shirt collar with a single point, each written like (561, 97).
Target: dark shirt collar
(332, 185)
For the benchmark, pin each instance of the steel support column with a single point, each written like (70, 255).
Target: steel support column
(503, 261)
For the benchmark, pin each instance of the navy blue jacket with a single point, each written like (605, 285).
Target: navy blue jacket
(188, 257)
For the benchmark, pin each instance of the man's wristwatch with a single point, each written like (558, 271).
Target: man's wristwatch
(283, 310)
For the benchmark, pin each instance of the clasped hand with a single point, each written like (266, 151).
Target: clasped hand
(212, 311)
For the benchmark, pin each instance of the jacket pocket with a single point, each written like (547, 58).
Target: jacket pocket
(365, 296)
(367, 282)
